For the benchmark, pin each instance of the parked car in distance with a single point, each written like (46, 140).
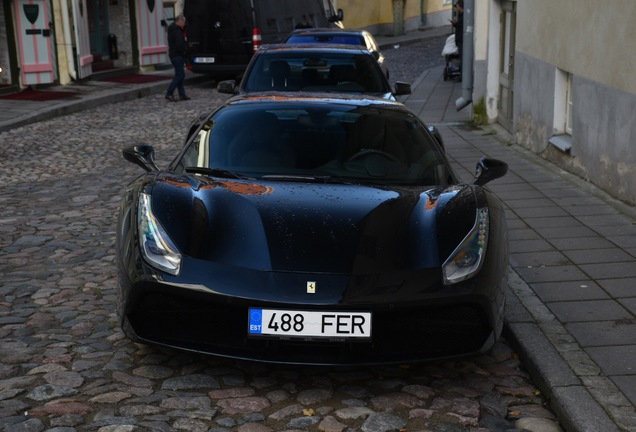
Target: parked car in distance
(314, 68)
(309, 230)
(340, 36)
(222, 35)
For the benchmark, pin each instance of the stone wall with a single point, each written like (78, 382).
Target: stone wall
(603, 127)
(120, 26)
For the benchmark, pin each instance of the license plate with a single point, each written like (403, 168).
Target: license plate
(296, 323)
(204, 59)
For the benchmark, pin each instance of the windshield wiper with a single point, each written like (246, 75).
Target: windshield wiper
(215, 172)
(308, 178)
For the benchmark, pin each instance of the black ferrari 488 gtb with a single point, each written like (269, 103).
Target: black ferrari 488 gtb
(312, 229)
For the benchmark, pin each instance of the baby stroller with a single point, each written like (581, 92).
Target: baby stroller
(453, 62)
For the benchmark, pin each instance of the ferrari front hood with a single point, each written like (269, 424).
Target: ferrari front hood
(304, 227)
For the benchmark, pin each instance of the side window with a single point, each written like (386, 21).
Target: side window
(272, 25)
(197, 152)
(288, 24)
(190, 157)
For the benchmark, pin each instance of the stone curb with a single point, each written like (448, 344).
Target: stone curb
(541, 341)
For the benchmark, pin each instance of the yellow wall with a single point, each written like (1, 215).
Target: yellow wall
(367, 13)
(433, 6)
(360, 13)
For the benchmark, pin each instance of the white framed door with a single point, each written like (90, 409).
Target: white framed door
(507, 65)
(35, 42)
(82, 39)
(152, 40)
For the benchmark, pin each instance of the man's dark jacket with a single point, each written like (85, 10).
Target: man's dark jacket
(176, 41)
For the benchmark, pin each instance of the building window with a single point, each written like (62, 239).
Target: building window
(568, 105)
(272, 25)
(562, 126)
(563, 102)
(168, 13)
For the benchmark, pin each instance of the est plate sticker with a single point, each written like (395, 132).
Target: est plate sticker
(309, 323)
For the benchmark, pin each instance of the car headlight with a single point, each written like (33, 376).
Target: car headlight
(467, 259)
(156, 246)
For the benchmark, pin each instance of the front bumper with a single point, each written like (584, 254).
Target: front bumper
(402, 332)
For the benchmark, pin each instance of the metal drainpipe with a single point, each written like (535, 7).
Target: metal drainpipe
(467, 56)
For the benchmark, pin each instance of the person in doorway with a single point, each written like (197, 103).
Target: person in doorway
(458, 23)
(177, 53)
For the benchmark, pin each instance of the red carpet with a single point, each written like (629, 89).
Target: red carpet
(38, 95)
(136, 78)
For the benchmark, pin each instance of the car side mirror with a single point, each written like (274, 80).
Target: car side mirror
(402, 88)
(338, 17)
(488, 170)
(227, 86)
(142, 155)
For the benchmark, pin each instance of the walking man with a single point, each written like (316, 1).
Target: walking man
(177, 53)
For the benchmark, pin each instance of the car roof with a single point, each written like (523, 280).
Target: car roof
(338, 31)
(307, 47)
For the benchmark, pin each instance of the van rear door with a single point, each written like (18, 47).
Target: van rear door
(278, 18)
(219, 35)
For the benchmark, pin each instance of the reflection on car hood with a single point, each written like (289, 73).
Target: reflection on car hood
(309, 227)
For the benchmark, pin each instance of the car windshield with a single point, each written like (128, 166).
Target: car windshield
(316, 142)
(315, 71)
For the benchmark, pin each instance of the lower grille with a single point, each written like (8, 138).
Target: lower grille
(401, 335)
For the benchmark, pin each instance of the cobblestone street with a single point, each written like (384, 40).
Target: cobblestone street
(66, 366)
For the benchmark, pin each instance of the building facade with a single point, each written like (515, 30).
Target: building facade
(557, 75)
(59, 41)
(394, 17)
